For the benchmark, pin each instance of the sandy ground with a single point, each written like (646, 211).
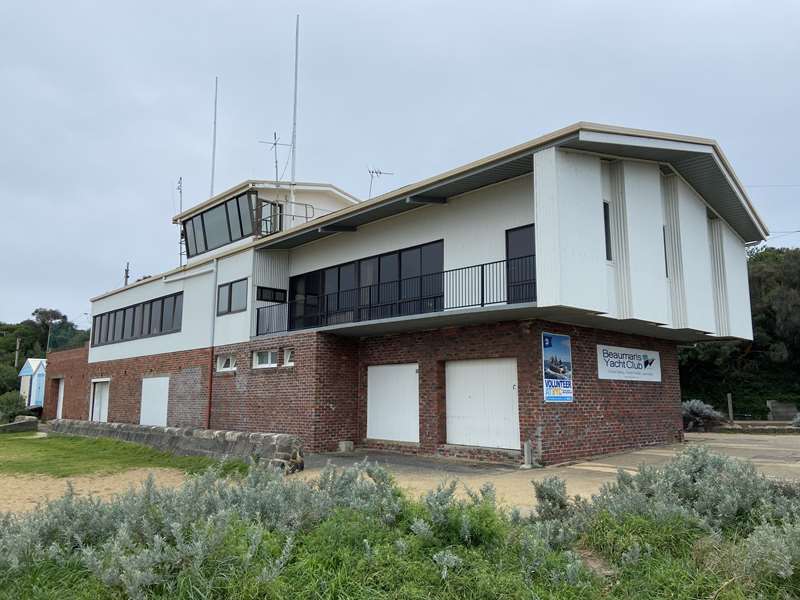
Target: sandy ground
(775, 455)
(20, 493)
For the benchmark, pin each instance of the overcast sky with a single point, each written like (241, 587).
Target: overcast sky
(103, 105)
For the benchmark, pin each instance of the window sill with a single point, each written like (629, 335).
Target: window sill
(264, 367)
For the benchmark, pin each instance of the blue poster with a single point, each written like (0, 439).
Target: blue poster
(557, 367)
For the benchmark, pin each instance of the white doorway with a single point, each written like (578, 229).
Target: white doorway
(482, 403)
(393, 402)
(155, 399)
(98, 409)
(60, 403)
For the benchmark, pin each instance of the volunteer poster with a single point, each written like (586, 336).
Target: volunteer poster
(557, 367)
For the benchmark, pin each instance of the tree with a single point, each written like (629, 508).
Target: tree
(765, 368)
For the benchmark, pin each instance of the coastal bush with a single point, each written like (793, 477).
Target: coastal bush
(699, 415)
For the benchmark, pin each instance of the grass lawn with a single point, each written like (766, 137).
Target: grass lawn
(68, 456)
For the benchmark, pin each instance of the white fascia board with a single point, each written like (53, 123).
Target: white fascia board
(645, 142)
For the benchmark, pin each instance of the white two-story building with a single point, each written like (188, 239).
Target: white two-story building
(536, 295)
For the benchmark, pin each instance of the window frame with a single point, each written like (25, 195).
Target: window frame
(272, 292)
(291, 354)
(197, 242)
(221, 358)
(272, 364)
(229, 285)
(107, 321)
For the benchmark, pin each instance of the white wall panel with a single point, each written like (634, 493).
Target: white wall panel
(696, 259)
(644, 215)
(570, 236)
(472, 226)
(155, 398)
(234, 328)
(738, 287)
(393, 402)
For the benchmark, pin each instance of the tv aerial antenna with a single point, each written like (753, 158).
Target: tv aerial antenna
(373, 173)
(273, 145)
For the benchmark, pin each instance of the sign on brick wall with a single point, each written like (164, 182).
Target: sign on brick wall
(630, 364)
(557, 367)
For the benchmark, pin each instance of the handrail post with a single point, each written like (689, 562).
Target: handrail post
(482, 280)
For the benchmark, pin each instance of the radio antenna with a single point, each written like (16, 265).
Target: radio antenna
(294, 111)
(214, 137)
(373, 173)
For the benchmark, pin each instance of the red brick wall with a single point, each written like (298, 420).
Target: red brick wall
(188, 386)
(314, 399)
(71, 365)
(322, 398)
(606, 416)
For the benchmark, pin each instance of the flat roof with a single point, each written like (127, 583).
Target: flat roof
(262, 184)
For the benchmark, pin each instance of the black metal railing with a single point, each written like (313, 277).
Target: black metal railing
(501, 282)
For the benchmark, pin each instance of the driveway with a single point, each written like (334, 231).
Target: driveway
(774, 455)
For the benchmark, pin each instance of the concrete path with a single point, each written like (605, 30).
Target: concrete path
(775, 455)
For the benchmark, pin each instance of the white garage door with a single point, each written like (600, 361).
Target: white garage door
(393, 402)
(482, 405)
(155, 396)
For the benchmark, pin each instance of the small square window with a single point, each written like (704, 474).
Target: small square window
(288, 357)
(263, 359)
(226, 362)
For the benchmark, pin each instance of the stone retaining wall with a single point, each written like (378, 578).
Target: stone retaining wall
(283, 449)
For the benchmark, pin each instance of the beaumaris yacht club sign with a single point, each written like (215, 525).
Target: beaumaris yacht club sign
(631, 364)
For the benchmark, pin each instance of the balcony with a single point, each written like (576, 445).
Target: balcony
(511, 281)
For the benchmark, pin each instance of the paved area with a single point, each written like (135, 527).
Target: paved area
(774, 455)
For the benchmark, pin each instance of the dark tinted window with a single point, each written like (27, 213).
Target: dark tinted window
(239, 295)
(155, 316)
(191, 246)
(432, 258)
(266, 294)
(146, 318)
(232, 297)
(169, 308)
(104, 328)
(128, 323)
(520, 242)
(216, 226)
(223, 299)
(118, 321)
(390, 268)
(177, 321)
(199, 236)
(96, 330)
(410, 263)
(233, 219)
(332, 280)
(368, 271)
(607, 226)
(137, 321)
(246, 215)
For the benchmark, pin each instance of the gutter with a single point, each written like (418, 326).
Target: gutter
(211, 344)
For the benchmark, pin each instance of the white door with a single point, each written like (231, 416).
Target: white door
(100, 401)
(60, 403)
(155, 397)
(393, 402)
(482, 406)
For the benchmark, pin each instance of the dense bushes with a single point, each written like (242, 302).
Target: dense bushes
(11, 405)
(700, 526)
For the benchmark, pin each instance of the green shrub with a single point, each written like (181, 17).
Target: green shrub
(11, 404)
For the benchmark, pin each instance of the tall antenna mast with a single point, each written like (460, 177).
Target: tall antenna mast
(214, 136)
(181, 241)
(294, 112)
